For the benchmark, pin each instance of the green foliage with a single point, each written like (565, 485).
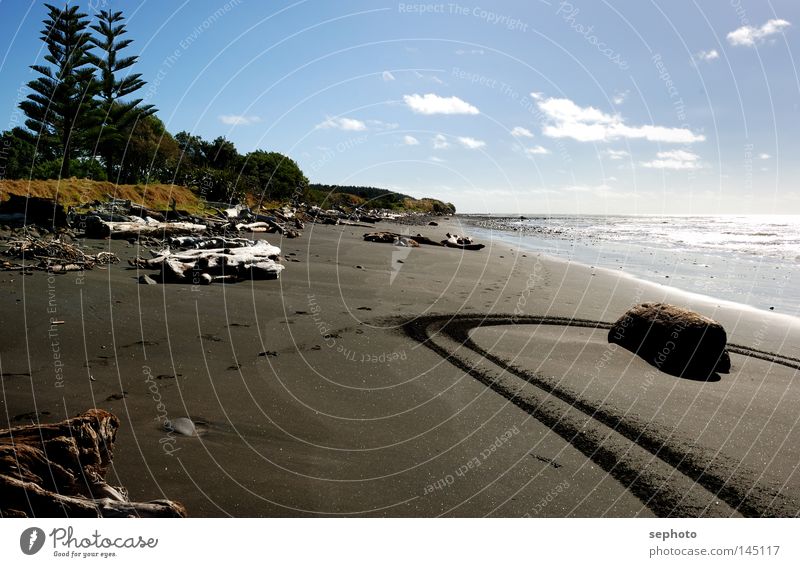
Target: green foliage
(118, 117)
(274, 175)
(151, 153)
(61, 111)
(191, 148)
(85, 168)
(373, 197)
(16, 155)
(221, 154)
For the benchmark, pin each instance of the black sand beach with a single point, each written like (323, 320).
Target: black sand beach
(381, 381)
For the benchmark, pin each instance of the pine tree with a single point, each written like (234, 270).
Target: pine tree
(61, 110)
(119, 117)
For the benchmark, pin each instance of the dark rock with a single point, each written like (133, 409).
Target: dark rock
(36, 210)
(675, 340)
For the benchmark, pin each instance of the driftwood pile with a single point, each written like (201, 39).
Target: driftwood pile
(232, 260)
(58, 470)
(452, 241)
(53, 255)
(391, 238)
(121, 219)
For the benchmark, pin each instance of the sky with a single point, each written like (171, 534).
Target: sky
(537, 106)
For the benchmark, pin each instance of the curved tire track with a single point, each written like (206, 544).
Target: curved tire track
(721, 476)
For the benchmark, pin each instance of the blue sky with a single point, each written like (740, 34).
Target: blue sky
(531, 106)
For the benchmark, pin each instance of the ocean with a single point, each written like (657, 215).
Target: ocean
(749, 259)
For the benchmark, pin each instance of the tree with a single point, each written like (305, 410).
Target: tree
(221, 153)
(61, 110)
(17, 155)
(278, 176)
(119, 117)
(151, 153)
(192, 154)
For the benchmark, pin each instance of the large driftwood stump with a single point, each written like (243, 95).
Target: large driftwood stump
(675, 340)
(59, 469)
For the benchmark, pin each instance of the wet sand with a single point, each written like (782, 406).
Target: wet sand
(380, 381)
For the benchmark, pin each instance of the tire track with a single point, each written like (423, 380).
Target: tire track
(721, 476)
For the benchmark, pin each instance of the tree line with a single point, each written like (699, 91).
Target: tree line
(83, 119)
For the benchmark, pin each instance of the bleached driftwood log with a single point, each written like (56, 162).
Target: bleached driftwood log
(59, 469)
(124, 230)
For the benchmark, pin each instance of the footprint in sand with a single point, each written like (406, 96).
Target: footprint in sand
(141, 343)
(210, 337)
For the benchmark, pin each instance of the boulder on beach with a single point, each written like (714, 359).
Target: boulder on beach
(675, 340)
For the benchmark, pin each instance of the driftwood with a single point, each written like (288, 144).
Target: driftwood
(259, 226)
(391, 238)
(53, 255)
(203, 266)
(210, 242)
(425, 240)
(59, 469)
(286, 231)
(126, 230)
(450, 244)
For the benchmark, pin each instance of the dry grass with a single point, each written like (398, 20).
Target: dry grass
(76, 192)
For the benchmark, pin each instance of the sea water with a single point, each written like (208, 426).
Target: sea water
(749, 259)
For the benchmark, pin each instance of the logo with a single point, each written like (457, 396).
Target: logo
(31, 541)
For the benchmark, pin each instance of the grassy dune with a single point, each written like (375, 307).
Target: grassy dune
(75, 192)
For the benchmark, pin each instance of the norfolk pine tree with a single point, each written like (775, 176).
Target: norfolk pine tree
(61, 110)
(119, 117)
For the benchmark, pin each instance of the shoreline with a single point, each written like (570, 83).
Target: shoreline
(640, 271)
(299, 420)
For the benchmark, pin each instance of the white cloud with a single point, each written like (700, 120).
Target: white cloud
(706, 56)
(387, 76)
(520, 132)
(537, 95)
(239, 119)
(410, 141)
(434, 104)
(764, 156)
(440, 142)
(380, 125)
(437, 80)
(537, 151)
(675, 159)
(616, 154)
(470, 52)
(588, 124)
(620, 97)
(436, 159)
(750, 35)
(343, 124)
(471, 143)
